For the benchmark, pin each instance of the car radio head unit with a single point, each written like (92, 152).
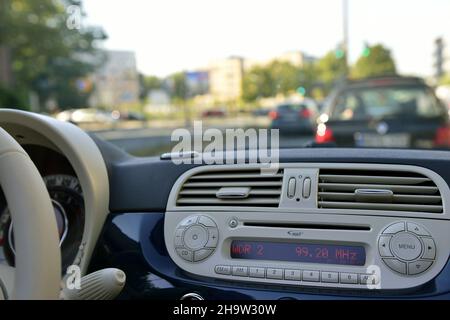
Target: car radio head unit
(306, 245)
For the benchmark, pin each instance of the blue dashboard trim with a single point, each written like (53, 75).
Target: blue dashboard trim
(134, 242)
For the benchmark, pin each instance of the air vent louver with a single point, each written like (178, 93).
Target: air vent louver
(382, 190)
(202, 189)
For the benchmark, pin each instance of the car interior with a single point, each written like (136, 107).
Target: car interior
(224, 153)
(328, 223)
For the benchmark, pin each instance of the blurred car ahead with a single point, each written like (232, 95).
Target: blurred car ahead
(128, 115)
(86, 115)
(391, 112)
(295, 117)
(261, 112)
(214, 113)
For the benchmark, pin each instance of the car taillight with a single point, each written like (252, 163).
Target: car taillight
(273, 115)
(305, 113)
(324, 134)
(442, 137)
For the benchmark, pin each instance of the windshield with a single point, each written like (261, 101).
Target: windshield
(149, 75)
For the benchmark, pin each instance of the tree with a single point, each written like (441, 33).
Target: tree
(375, 61)
(286, 77)
(278, 77)
(257, 83)
(178, 87)
(147, 84)
(48, 56)
(330, 68)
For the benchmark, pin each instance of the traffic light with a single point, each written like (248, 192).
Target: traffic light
(366, 51)
(301, 90)
(339, 53)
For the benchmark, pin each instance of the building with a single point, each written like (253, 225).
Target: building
(225, 79)
(116, 82)
(441, 58)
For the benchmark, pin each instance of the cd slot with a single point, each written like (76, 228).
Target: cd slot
(306, 226)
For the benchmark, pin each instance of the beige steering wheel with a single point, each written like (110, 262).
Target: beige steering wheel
(37, 273)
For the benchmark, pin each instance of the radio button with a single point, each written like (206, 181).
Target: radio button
(179, 237)
(291, 188)
(429, 250)
(306, 188)
(273, 273)
(395, 228)
(349, 278)
(419, 266)
(383, 246)
(213, 238)
(188, 221)
(195, 237)
(406, 246)
(396, 265)
(240, 271)
(366, 278)
(292, 274)
(202, 254)
(311, 275)
(256, 272)
(226, 270)
(331, 277)
(185, 254)
(207, 222)
(415, 228)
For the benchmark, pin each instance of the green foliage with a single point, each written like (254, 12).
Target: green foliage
(178, 87)
(152, 83)
(148, 83)
(376, 62)
(10, 99)
(330, 68)
(48, 56)
(257, 83)
(276, 78)
(445, 80)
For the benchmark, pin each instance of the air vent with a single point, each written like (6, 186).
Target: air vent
(378, 190)
(247, 188)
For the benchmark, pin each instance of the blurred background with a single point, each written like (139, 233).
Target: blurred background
(132, 71)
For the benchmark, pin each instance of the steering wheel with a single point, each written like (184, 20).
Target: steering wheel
(37, 274)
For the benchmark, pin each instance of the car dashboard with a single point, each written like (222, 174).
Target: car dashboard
(326, 224)
(321, 223)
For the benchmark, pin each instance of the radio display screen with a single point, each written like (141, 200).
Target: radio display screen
(298, 252)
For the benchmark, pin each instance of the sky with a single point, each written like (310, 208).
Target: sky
(174, 35)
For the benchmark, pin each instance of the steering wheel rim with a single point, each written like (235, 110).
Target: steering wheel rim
(37, 273)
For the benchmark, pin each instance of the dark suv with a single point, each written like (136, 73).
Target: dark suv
(396, 112)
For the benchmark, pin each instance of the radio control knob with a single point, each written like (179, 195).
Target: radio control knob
(395, 228)
(196, 238)
(384, 246)
(419, 266)
(406, 246)
(419, 230)
(396, 265)
(185, 254)
(429, 250)
(188, 221)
